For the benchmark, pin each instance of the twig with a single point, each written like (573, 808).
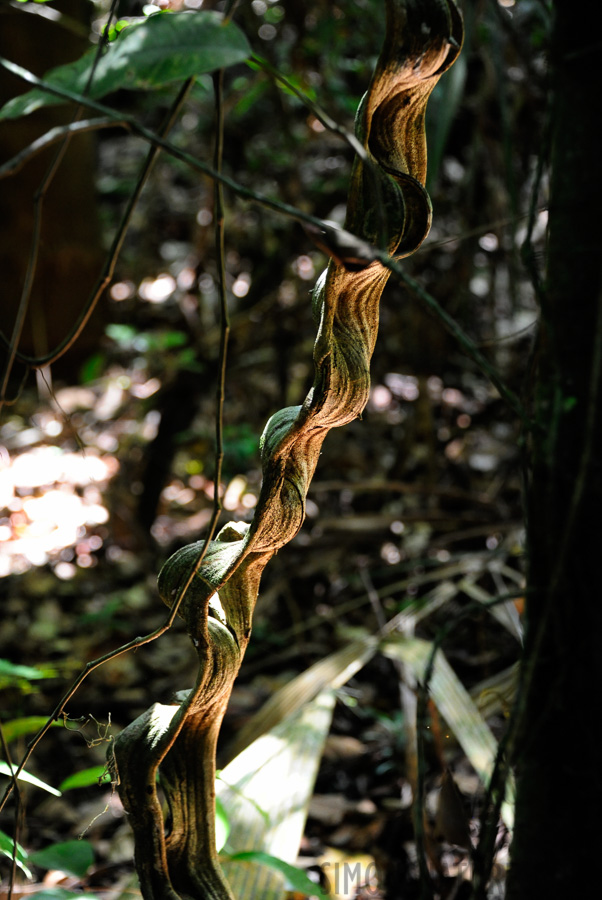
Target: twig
(527, 252)
(223, 348)
(373, 597)
(141, 641)
(426, 891)
(18, 803)
(230, 10)
(221, 270)
(320, 114)
(56, 134)
(484, 853)
(348, 136)
(155, 139)
(475, 232)
(115, 249)
(461, 337)
(496, 787)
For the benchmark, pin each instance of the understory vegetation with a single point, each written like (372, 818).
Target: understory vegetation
(358, 744)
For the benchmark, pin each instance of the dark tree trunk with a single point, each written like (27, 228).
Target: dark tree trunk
(70, 253)
(557, 752)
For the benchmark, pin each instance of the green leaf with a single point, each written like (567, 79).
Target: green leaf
(296, 878)
(455, 705)
(7, 846)
(170, 339)
(151, 53)
(17, 728)
(26, 776)
(57, 893)
(92, 368)
(121, 334)
(29, 673)
(115, 29)
(85, 778)
(265, 821)
(328, 673)
(222, 824)
(72, 857)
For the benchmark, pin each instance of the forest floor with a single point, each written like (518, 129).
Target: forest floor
(423, 493)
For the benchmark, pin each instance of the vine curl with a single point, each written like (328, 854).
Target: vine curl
(389, 207)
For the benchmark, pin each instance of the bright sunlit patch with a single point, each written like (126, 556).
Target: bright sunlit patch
(186, 278)
(404, 386)
(304, 268)
(204, 217)
(489, 242)
(312, 510)
(249, 500)
(452, 397)
(234, 492)
(267, 32)
(65, 571)
(52, 497)
(122, 290)
(390, 553)
(380, 397)
(241, 286)
(479, 285)
(215, 604)
(157, 290)
(53, 427)
(146, 389)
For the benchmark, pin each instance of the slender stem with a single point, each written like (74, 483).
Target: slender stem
(23, 303)
(320, 114)
(527, 251)
(370, 166)
(475, 232)
(140, 641)
(230, 9)
(496, 787)
(466, 343)
(153, 138)
(221, 268)
(426, 890)
(115, 249)
(51, 137)
(224, 335)
(18, 804)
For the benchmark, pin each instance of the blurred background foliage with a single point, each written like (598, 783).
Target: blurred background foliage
(106, 459)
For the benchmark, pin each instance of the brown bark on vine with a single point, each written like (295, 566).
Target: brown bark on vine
(388, 207)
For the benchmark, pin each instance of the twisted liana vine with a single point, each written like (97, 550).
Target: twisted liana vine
(388, 208)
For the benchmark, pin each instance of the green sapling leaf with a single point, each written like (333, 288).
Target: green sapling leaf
(151, 53)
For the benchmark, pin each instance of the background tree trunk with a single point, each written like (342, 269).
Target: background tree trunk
(70, 254)
(558, 745)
